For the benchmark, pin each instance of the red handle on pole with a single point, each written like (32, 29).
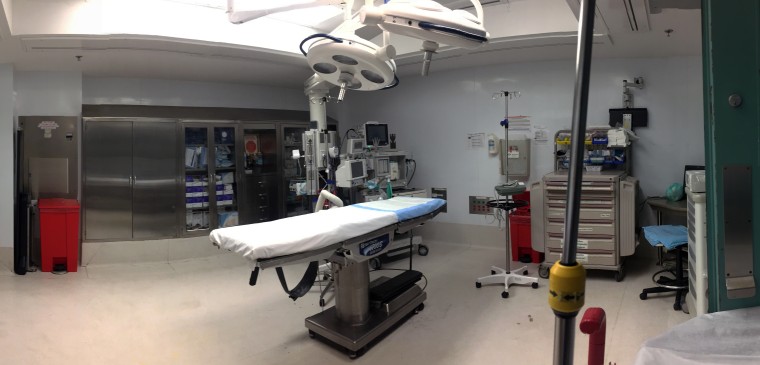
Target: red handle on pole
(594, 324)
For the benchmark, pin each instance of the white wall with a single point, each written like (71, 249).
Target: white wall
(432, 117)
(7, 131)
(49, 93)
(108, 90)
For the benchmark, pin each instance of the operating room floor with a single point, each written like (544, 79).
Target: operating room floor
(202, 311)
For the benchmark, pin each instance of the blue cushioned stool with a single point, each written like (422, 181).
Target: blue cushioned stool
(672, 238)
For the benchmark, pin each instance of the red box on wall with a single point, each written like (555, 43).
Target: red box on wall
(59, 233)
(519, 232)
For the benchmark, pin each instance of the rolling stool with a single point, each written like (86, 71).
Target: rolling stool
(678, 284)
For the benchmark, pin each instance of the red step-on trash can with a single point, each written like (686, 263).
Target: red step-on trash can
(519, 229)
(59, 234)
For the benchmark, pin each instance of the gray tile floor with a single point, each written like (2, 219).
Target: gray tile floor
(202, 311)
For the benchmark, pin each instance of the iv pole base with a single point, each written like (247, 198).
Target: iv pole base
(501, 276)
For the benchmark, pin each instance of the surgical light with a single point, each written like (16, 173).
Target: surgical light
(351, 62)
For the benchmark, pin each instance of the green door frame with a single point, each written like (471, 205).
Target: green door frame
(731, 61)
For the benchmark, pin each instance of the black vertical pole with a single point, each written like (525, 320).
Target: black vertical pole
(564, 331)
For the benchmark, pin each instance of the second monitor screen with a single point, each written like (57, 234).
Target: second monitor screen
(377, 132)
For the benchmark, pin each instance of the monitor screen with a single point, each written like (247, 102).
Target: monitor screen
(358, 145)
(357, 169)
(377, 132)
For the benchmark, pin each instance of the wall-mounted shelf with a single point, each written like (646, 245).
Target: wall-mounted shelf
(598, 155)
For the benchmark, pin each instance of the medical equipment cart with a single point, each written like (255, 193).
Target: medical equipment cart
(606, 233)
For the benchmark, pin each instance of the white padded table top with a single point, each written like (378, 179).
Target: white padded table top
(313, 231)
(729, 337)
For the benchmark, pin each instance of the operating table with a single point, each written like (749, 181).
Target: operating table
(347, 238)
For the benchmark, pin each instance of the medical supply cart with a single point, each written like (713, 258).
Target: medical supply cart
(606, 232)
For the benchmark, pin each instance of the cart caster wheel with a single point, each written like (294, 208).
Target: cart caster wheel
(321, 302)
(543, 272)
(677, 306)
(525, 272)
(505, 294)
(478, 285)
(375, 264)
(419, 308)
(620, 275)
(643, 296)
(493, 272)
(355, 354)
(312, 334)
(534, 285)
(422, 250)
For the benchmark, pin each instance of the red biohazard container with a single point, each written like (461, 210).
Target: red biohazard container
(59, 234)
(519, 231)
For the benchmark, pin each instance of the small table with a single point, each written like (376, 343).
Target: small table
(662, 205)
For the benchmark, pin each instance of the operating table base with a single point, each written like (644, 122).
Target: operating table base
(355, 338)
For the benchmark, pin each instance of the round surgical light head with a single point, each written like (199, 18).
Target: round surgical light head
(356, 63)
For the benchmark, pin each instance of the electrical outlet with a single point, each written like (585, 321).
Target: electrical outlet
(439, 193)
(479, 205)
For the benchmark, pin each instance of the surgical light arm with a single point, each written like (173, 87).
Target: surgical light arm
(430, 22)
(317, 141)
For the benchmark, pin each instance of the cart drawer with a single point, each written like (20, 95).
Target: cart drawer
(605, 214)
(601, 259)
(584, 243)
(601, 202)
(586, 186)
(596, 229)
(585, 195)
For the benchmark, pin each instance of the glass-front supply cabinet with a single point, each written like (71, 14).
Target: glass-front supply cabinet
(210, 177)
(260, 178)
(197, 204)
(225, 177)
(293, 171)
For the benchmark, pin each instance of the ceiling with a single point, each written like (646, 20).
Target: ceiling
(521, 30)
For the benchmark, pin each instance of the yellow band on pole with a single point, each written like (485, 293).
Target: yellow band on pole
(567, 288)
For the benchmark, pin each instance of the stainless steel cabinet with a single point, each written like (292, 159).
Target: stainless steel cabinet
(160, 178)
(107, 180)
(130, 179)
(154, 182)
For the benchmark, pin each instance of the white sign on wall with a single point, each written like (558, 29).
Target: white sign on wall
(48, 126)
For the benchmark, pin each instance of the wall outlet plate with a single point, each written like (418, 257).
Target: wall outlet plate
(440, 193)
(479, 205)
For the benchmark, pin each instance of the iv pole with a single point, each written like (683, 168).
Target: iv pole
(505, 123)
(498, 275)
(567, 278)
